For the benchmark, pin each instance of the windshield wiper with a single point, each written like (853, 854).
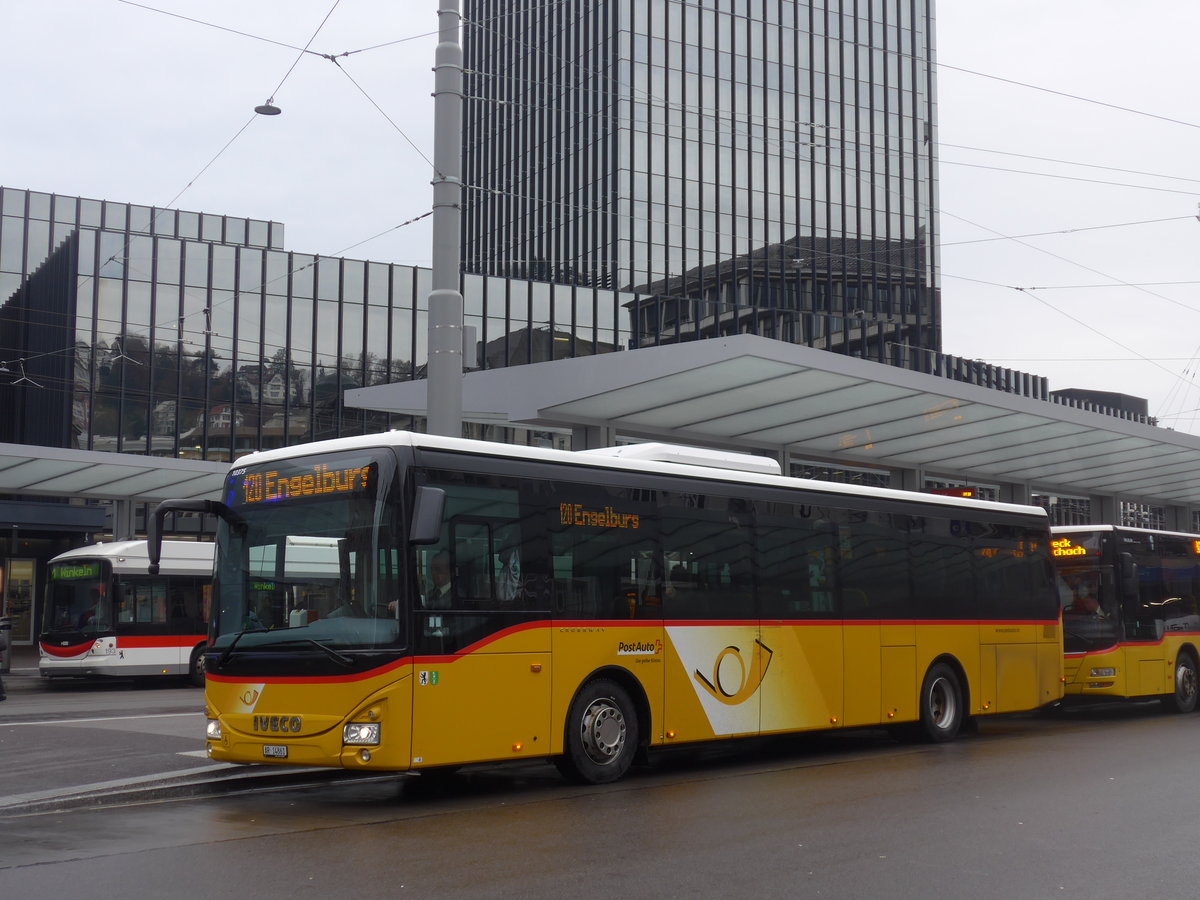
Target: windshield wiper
(228, 651)
(337, 657)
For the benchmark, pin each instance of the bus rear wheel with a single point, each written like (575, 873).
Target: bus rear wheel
(602, 734)
(941, 704)
(1187, 684)
(195, 674)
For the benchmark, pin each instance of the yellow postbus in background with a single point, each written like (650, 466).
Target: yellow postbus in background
(1131, 627)
(405, 602)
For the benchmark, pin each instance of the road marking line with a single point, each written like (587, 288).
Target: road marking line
(102, 719)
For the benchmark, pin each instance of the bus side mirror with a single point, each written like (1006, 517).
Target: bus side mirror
(426, 525)
(1129, 575)
(207, 507)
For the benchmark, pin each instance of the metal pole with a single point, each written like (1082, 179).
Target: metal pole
(445, 369)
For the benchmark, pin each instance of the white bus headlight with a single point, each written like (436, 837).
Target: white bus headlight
(361, 734)
(1104, 673)
(212, 730)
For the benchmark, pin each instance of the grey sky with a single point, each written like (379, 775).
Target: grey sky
(108, 100)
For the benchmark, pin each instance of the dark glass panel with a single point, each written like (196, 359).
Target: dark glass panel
(257, 233)
(14, 202)
(328, 278)
(65, 209)
(115, 215)
(89, 213)
(303, 271)
(38, 246)
(277, 273)
(210, 227)
(377, 284)
(139, 219)
(250, 270)
(39, 205)
(223, 266)
(189, 225)
(235, 231)
(196, 264)
(12, 244)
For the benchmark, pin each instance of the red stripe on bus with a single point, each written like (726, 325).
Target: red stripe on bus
(142, 642)
(66, 652)
(1119, 645)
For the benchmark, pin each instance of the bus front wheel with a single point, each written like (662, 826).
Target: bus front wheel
(196, 667)
(941, 704)
(1187, 684)
(602, 734)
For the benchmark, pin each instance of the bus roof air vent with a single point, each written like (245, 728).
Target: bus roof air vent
(691, 456)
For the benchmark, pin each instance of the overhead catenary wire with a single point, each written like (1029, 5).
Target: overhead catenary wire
(945, 275)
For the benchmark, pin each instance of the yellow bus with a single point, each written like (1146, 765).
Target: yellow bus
(1131, 627)
(495, 602)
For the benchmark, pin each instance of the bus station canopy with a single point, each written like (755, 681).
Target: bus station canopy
(747, 391)
(35, 471)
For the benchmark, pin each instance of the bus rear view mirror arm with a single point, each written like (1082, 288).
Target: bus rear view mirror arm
(208, 507)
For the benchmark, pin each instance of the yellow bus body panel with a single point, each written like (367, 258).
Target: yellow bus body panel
(631, 651)
(509, 696)
(264, 713)
(1139, 669)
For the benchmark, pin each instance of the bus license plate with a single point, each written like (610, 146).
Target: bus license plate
(275, 751)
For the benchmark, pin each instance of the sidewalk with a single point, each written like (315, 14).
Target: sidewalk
(24, 656)
(22, 675)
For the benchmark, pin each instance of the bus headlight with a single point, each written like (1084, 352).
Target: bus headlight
(1104, 673)
(212, 730)
(361, 734)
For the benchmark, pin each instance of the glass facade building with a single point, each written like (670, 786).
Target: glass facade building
(139, 330)
(762, 166)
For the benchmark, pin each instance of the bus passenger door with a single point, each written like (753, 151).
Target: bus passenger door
(800, 633)
(716, 660)
(482, 667)
(880, 652)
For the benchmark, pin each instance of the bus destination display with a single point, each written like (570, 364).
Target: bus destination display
(75, 571)
(286, 484)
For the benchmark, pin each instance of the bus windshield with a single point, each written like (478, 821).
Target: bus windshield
(79, 600)
(1090, 606)
(316, 560)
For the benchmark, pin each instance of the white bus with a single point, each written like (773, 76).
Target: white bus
(105, 616)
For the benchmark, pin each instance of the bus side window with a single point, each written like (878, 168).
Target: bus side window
(795, 562)
(873, 558)
(708, 570)
(125, 603)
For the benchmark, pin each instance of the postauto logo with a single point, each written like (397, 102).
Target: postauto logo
(735, 681)
(639, 648)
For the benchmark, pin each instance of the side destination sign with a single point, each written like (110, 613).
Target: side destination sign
(578, 514)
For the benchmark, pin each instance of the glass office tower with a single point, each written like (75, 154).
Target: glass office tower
(763, 166)
(163, 332)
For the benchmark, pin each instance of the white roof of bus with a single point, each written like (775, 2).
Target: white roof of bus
(591, 459)
(1067, 529)
(190, 555)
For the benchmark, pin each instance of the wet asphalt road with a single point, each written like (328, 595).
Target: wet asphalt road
(1094, 804)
